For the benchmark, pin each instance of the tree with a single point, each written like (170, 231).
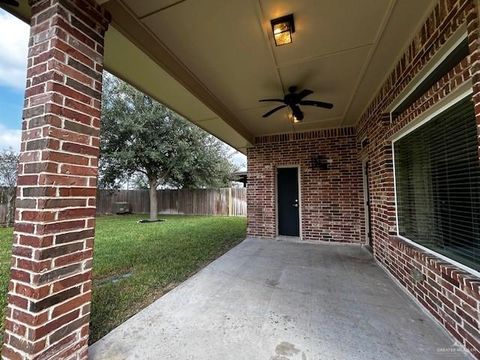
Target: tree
(8, 180)
(140, 136)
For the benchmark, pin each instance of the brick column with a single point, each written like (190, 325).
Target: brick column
(50, 286)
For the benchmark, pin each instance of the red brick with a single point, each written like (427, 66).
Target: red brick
(67, 135)
(73, 191)
(65, 158)
(69, 92)
(56, 227)
(78, 170)
(62, 107)
(50, 179)
(331, 200)
(76, 213)
(80, 149)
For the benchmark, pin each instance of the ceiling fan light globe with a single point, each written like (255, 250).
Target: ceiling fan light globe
(296, 116)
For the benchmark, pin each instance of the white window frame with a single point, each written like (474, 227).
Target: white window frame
(456, 39)
(462, 91)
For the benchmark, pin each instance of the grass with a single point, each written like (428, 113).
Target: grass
(6, 236)
(136, 263)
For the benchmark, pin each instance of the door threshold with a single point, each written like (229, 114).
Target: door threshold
(288, 238)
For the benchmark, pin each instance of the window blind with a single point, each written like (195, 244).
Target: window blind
(437, 173)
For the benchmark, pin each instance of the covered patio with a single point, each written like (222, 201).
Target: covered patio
(276, 300)
(388, 160)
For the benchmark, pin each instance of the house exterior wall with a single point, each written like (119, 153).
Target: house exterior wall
(330, 200)
(447, 292)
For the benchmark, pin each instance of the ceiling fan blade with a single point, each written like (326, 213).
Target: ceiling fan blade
(10, 2)
(277, 100)
(316, 103)
(304, 93)
(273, 110)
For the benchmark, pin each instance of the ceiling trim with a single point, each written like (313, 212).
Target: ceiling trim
(143, 38)
(22, 12)
(268, 41)
(161, 9)
(370, 55)
(323, 56)
(395, 62)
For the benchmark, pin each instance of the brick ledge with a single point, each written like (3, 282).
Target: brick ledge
(306, 135)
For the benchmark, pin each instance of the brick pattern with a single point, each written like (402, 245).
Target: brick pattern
(451, 295)
(50, 286)
(307, 135)
(331, 200)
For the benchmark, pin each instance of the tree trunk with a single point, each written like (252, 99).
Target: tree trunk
(11, 206)
(153, 199)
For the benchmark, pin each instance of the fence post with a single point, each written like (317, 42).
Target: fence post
(230, 202)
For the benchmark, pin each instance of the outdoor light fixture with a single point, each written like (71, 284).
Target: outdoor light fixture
(295, 117)
(283, 28)
(321, 162)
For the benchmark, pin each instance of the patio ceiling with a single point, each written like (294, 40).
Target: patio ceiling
(211, 60)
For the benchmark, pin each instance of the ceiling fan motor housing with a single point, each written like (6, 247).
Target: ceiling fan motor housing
(293, 100)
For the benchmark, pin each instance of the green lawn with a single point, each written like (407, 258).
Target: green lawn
(6, 237)
(136, 263)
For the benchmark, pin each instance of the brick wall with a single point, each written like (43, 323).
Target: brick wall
(451, 295)
(331, 200)
(50, 287)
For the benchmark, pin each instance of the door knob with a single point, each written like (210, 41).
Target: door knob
(296, 205)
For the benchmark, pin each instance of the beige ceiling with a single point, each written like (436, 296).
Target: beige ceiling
(212, 60)
(341, 49)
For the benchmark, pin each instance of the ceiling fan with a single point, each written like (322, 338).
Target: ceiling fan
(294, 100)
(10, 2)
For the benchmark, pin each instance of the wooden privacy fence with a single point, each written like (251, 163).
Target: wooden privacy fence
(226, 202)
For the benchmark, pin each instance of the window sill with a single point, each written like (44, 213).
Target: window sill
(455, 266)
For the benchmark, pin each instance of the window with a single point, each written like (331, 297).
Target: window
(456, 55)
(437, 175)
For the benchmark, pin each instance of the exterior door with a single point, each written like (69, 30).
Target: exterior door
(288, 202)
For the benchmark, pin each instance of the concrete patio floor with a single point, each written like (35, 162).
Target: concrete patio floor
(278, 300)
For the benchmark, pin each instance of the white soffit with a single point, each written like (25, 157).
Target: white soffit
(125, 60)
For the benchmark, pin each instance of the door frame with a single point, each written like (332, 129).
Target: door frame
(367, 202)
(298, 167)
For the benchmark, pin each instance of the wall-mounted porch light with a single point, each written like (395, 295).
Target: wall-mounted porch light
(283, 28)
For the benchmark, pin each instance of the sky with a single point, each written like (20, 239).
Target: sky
(13, 63)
